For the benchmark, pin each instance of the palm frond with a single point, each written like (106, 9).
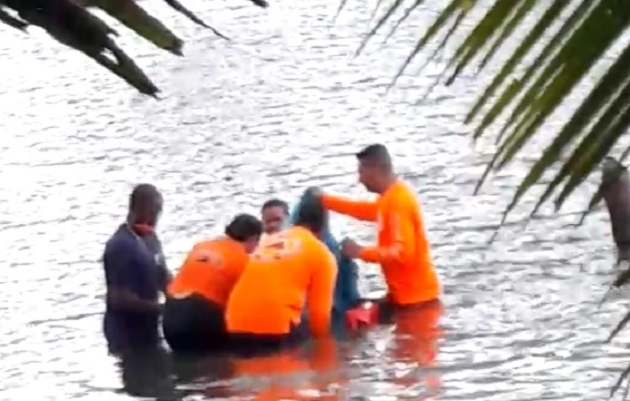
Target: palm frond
(528, 99)
(68, 22)
(130, 14)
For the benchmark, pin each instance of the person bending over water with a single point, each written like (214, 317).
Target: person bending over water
(135, 274)
(346, 289)
(275, 215)
(403, 249)
(195, 305)
(289, 269)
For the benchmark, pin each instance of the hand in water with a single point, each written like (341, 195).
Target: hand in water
(350, 248)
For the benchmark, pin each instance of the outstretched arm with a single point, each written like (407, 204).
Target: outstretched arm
(361, 210)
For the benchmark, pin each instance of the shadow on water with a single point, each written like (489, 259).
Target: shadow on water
(323, 370)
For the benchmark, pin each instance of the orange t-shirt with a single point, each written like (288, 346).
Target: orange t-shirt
(403, 250)
(292, 268)
(211, 270)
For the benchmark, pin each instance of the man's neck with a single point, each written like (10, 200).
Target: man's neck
(389, 182)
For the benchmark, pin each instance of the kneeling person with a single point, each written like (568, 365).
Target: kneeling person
(289, 269)
(194, 310)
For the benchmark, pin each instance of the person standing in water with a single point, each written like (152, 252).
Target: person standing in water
(194, 310)
(135, 274)
(403, 250)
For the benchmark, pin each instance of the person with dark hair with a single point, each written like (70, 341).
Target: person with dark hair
(403, 250)
(195, 305)
(275, 214)
(346, 288)
(290, 269)
(135, 274)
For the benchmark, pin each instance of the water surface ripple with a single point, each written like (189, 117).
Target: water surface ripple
(282, 107)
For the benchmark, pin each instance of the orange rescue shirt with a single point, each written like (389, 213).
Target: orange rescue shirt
(403, 249)
(211, 270)
(290, 269)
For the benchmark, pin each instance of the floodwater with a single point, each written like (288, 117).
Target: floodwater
(280, 108)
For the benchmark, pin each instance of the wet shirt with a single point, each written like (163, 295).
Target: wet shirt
(134, 263)
(346, 289)
(211, 269)
(291, 269)
(403, 250)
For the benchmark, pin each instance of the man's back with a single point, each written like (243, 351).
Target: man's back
(211, 269)
(291, 266)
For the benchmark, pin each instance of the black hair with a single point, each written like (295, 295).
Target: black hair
(375, 155)
(312, 215)
(141, 195)
(243, 227)
(275, 202)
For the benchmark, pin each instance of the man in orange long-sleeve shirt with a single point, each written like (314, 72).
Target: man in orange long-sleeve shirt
(403, 249)
(194, 311)
(289, 269)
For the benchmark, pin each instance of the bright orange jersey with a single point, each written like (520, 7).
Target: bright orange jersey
(403, 249)
(291, 268)
(211, 270)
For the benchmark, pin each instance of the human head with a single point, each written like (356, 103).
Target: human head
(375, 168)
(246, 229)
(145, 205)
(312, 215)
(275, 213)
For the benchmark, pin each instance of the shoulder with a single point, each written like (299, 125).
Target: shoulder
(404, 196)
(119, 244)
(120, 239)
(321, 252)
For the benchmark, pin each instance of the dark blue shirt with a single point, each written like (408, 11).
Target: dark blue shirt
(136, 264)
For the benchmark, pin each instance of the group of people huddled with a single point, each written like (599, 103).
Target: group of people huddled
(271, 282)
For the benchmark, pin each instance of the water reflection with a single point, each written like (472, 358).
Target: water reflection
(417, 333)
(147, 373)
(320, 370)
(305, 373)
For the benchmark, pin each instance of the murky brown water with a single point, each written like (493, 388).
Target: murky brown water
(282, 108)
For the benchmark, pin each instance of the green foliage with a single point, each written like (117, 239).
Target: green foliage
(529, 98)
(71, 24)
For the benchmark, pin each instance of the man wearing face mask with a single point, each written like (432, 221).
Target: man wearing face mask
(135, 274)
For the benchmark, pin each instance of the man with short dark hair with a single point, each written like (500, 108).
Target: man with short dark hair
(403, 249)
(194, 311)
(274, 215)
(135, 274)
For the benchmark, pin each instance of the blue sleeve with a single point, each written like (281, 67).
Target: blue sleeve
(118, 263)
(348, 282)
